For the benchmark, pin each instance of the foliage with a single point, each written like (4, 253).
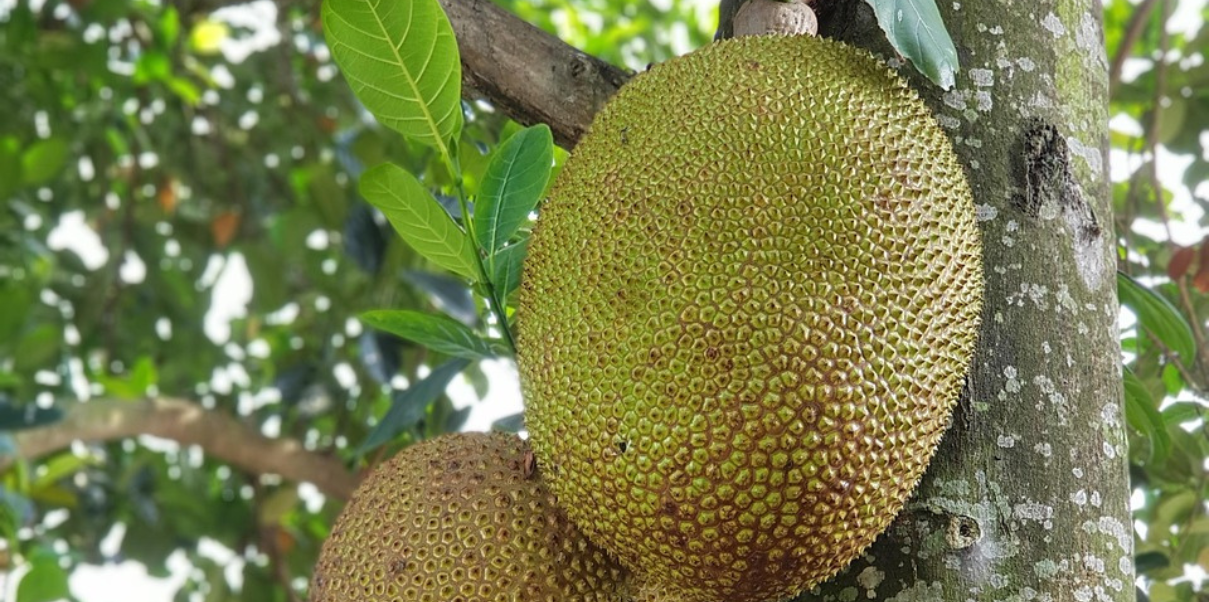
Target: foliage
(145, 124)
(916, 31)
(1158, 109)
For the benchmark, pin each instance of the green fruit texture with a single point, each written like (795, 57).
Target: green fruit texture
(460, 518)
(748, 310)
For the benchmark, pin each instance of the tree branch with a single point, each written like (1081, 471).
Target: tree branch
(530, 75)
(217, 434)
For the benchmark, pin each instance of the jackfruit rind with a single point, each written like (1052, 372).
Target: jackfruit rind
(748, 308)
(460, 519)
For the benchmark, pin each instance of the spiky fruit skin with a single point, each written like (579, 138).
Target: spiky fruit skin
(748, 308)
(460, 518)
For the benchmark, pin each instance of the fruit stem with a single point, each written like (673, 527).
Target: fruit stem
(786, 17)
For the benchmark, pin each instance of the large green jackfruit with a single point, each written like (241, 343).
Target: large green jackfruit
(749, 306)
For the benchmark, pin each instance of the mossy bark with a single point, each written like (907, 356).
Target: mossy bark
(1027, 498)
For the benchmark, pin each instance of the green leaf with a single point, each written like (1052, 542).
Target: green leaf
(410, 405)
(515, 179)
(1142, 414)
(1173, 380)
(1162, 591)
(10, 380)
(1171, 509)
(506, 272)
(144, 375)
(46, 581)
(401, 60)
(152, 66)
(60, 467)
(418, 218)
(43, 160)
(170, 26)
(436, 332)
(184, 89)
(1186, 462)
(1183, 411)
(1158, 316)
(916, 31)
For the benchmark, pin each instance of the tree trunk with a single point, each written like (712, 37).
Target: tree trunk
(1027, 498)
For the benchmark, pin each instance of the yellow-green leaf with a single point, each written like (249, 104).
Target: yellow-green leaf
(433, 331)
(401, 60)
(418, 218)
(515, 179)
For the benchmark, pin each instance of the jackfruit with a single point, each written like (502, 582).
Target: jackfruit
(460, 518)
(749, 305)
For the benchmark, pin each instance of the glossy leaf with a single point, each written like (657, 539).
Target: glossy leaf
(418, 219)
(506, 276)
(401, 60)
(434, 331)
(916, 30)
(515, 179)
(409, 405)
(1142, 414)
(1158, 316)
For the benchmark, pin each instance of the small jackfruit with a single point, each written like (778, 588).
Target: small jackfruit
(460, 518)
(748, 309)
